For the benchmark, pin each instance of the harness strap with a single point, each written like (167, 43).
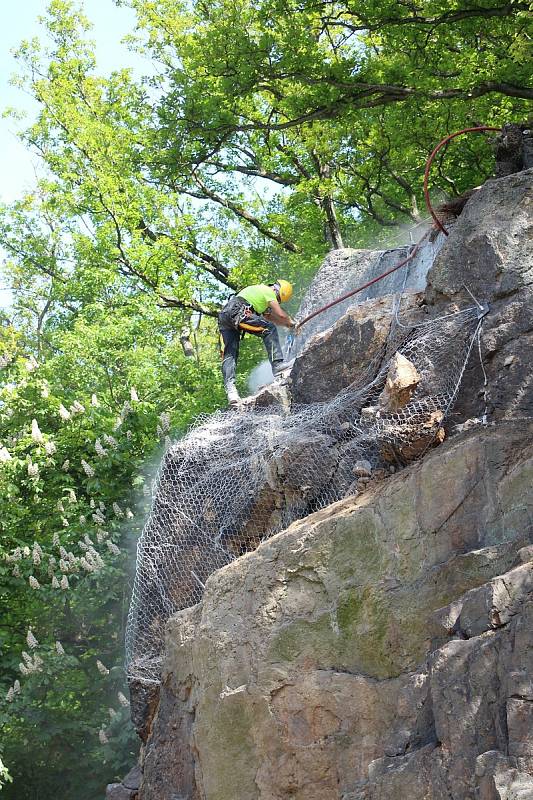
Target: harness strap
(252, 328)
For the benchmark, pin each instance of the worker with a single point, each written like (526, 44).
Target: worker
(256, 310)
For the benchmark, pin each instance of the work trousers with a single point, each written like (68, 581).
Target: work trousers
(237, 317)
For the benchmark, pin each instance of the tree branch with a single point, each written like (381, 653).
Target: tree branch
(244, 214)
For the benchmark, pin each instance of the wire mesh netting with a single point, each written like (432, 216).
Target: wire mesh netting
(238, 477)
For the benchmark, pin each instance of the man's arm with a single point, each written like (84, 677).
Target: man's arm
(278, 315)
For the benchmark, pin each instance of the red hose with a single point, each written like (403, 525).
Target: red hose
(416, 247)
(365, 285)
(438, 223)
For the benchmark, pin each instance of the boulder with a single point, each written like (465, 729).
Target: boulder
(513, 149)
(402, 380)
(351, 350)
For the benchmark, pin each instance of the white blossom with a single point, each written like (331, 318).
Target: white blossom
(10, 695)
(27, 658)
(77, 408)
(60, 507)
(97, 558)
(50, 448)
(37, 662)
(23, 669)
(133, 394)
(94, 401)
(62, 552)
(98, 518)
(164, 418)
(103, 738)
(31, 640)
(34, 583)
(113, 548)
(168, 442)
(101, 505)
(16, 687)
(87, 539)
(59, 649)
(159, 431)
(117, 510)
(55, 539)
(72, 496)
(36, 558)
(36, 434)
(64, 582)
(55, 583)
(16, 571)
(65, 466)
(26, 551)
(4, 361)
(4, 455)
(52, 560)
(112, 713)
(82, 545)
(33, 470)
(117, 424)
(17, 554)
(31, 364)
(92, 503)
(123, 700)
(126, 409)
(85, 564)
(89, 471)
(64, 413)
(129, 435)
(100, 451)
(129, 513)
(63, 566)
(37, 546)
(45, 392)
(102, 669)
(110, 440)
(65, 522)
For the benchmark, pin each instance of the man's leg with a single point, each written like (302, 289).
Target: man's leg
(230, 338)
(262, 327)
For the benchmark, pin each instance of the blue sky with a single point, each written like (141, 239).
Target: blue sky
(111, 24)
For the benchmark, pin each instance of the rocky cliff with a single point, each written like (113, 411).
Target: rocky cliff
(382, 647)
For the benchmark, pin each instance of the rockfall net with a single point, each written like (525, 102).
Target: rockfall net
(239, 477)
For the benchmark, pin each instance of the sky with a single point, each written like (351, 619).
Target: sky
(111, 24)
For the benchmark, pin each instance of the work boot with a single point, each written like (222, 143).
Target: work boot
(278, 367)
(233, 396)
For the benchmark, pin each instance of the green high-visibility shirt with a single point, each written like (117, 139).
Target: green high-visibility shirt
(259, 296)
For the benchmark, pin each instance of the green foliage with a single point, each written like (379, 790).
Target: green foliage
(267, 132)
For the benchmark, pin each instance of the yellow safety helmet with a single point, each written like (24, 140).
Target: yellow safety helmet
(285, 290)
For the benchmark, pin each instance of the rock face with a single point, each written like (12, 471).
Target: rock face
(381, 648)
(344, 270)
(323, 665)
(494, 260)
